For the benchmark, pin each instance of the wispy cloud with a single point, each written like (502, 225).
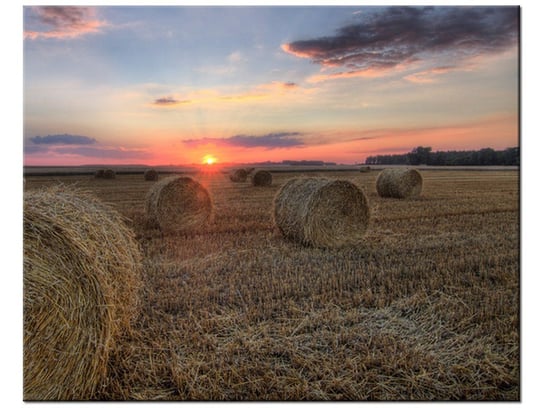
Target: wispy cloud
(399, 36)
(260, 91)
(268, 141)
(64, 139)
(169, 101)
(61, 22)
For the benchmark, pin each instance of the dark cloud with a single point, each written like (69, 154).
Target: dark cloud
(60, 22)
(168, 101)
(106, 152)
(269, 141)
(396, 35)
(64, 139)
(57, 16)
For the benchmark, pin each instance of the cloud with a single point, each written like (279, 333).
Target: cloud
(64, 139)
(268, 141)
(261, 91)
(399, 36)
(61, 22)
(169, 101)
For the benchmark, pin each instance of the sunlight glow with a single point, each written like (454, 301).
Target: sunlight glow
(209, 159)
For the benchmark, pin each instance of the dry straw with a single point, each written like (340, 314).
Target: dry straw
(321, 212)
(261, 178)
(239, 175)
(177, 204)
(151, 175)
(82, 279)
(399, 183)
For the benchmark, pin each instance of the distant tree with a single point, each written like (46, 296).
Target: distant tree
(424, 155)
(419, 155)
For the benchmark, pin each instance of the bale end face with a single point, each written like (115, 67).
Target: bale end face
(399, 183)
(262, 178)
(178, 204)
(322, 212)
(238, 176)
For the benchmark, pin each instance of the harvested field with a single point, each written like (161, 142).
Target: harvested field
(426, 309)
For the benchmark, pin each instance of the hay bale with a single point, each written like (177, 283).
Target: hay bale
(365, 169)
(109, 174)
(81, 278)
(261, 178)
(238, 175)
(178, 204)
(399, 183)
(151, 175)
(321, 212)
(99, 173)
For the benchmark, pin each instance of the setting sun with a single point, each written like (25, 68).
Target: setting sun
(209, 159)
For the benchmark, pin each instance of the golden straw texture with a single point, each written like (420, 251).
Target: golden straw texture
(322, 212)
(82, 279)
(399, 183)
(177, 204)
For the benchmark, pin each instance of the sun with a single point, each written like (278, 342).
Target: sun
(209, 159)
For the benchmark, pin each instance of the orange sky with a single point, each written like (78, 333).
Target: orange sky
(157, 85)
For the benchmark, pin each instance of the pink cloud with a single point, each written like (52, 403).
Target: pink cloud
(63, 22)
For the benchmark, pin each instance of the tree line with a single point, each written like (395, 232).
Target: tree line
(425, 155)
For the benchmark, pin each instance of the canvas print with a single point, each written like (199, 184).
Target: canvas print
(271, 203)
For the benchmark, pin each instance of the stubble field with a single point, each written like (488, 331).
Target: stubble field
(426, 308)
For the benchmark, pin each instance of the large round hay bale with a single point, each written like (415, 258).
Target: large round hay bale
(81, 278)
(151, 175)
(261, 178)
(239, 175)
(177, 204)
(99, 173)
(399, 183)
(321, 212)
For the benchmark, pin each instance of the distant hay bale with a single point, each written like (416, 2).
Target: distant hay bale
(81, 278)
(261, 178)
(104, 174)
(178, 204)
(239, 175)
(109, 174)
(321, 212)
(399, 183)
(365, 169)
(151, 175)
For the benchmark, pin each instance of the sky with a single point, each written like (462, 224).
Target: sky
(172, 84)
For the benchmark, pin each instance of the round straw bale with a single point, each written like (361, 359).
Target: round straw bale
(109, 174)
(151, 175)
(81, 282)
(239, 175)
(399, 183)
(99, 173)
(321, 212)
(261, 178)
(178, 204)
